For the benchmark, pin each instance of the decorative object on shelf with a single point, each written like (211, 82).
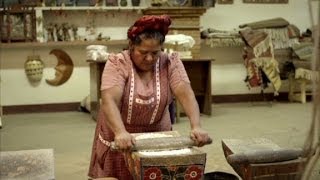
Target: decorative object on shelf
(197, 3)
(65, 2)
(101, 38)
(225, 1)
(49, 2)
(123, 2)
(111, 2)
(65, 32)
(177, 2)
(267, 1)
(82, 3)
(158, 3)
(75, 35)
(63, 69)
(58, 32)
(39, 20)
(209, 3)
(50, 32)
(18, 24)
(34, 68)
(95, 2)
(135, 2)
(31, 2)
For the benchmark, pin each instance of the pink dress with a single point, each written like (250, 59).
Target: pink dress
(143, 108)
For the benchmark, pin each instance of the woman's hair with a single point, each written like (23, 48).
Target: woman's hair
(149, 27)
(149, 34)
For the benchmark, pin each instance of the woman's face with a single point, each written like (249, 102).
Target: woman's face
(145, 55)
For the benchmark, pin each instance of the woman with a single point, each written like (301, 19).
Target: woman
(136, 89)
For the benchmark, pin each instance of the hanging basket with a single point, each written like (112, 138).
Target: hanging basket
(34, 68)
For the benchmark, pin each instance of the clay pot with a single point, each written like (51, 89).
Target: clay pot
(111, 2)
(34, 68)
(123, 3)
(135, 2)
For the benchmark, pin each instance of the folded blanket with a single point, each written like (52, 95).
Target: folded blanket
(269, 23)
(301, 64)
(306, 74)
(303, 50)
(280, 37)
(259, 41)
(271, 70)
(293, 31)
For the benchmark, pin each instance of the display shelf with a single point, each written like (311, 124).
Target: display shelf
(62, 44)
(102, 8)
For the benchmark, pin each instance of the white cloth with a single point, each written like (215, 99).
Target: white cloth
(97, 52)
(181, 39)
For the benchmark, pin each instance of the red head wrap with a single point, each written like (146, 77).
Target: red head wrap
(150, 22)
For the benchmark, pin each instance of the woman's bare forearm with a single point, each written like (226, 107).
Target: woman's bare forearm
(186, 97)
(110, 100)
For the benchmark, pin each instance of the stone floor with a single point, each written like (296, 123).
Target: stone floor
(70, 134)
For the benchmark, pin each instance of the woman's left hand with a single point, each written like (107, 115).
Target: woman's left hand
(200, 136)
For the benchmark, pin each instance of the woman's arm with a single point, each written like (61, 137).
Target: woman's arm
(185, 95)
(110, 105)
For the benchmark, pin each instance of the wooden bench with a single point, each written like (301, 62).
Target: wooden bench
(301, 78)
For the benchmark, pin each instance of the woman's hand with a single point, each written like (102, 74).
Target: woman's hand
(124, 140)
(200, 136)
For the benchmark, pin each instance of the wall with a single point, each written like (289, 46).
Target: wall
(227, 75)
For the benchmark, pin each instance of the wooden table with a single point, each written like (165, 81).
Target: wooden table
(198, 70)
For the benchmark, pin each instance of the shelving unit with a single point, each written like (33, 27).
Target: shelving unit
(95, 8)
(59, 44)
(44, 16)
(103, 14)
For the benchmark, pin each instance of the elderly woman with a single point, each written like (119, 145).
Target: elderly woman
(137, 87)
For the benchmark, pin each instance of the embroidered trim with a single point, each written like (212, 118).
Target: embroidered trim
(130, 97)
(158, 93)
(141, 101)
(107, 143)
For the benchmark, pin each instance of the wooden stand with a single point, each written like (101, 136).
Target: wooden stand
(261, 159)
(297, 96)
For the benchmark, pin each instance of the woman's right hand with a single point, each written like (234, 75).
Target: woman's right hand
(124, 140)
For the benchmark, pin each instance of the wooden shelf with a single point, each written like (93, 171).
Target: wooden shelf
(85, 8)
(175, 11)
(55, 44)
